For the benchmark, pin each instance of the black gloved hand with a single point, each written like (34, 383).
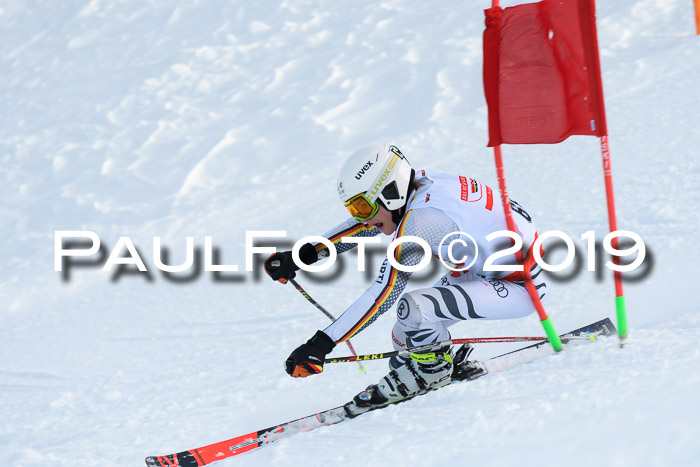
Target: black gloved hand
(280, 266)
(308, 358)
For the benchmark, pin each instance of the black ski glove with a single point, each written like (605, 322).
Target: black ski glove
(308, 358)
(280, 266)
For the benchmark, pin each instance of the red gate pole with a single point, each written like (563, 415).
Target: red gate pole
(529, 286)
(596, 79)
(620, 305)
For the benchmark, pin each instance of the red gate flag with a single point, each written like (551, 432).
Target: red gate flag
(542, 72)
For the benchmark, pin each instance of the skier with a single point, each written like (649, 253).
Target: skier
(453, 214)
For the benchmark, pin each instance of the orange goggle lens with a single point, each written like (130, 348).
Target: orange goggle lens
(361, 208)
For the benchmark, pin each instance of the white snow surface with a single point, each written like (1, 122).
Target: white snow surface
(167, 119)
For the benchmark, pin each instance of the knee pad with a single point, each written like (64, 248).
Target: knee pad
(408, 311)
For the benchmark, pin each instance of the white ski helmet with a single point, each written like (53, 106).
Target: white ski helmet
(372, 174)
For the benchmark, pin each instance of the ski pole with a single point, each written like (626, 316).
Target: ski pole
(330, 316)
(426, 347)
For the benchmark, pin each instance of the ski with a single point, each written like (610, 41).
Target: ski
(257, 439)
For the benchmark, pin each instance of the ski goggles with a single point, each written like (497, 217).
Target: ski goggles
(361, 208)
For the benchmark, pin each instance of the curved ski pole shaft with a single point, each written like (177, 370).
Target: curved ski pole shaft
(428, 347)
(330, 316)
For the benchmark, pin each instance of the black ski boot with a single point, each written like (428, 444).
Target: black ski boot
(466, 369)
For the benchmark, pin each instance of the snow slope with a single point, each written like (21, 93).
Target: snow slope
(149, 118)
